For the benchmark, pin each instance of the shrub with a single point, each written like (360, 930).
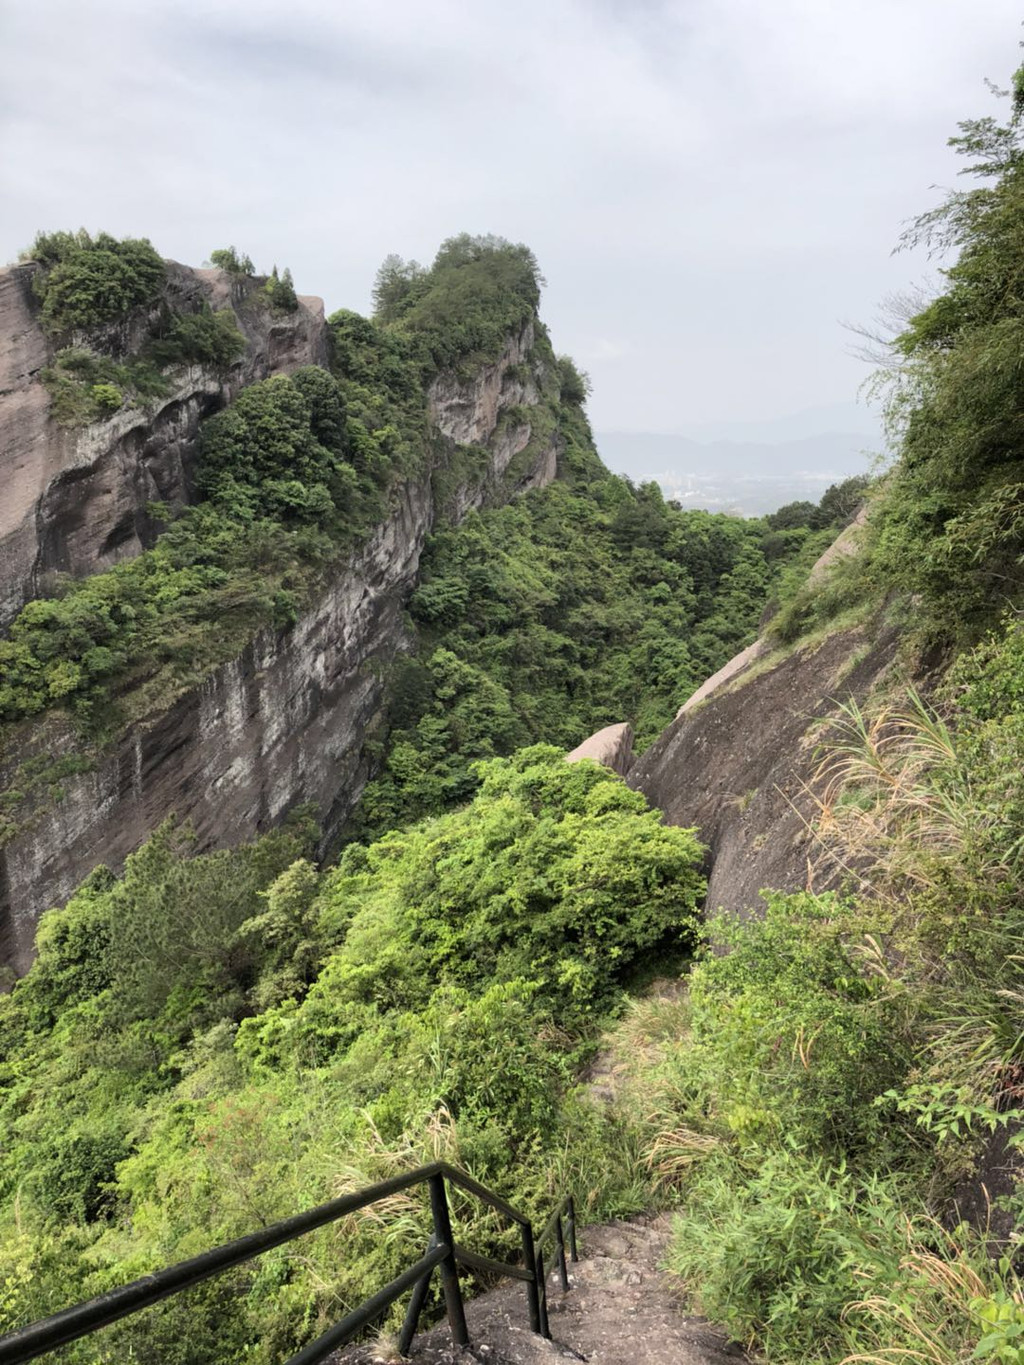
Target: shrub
(86, 282)
(203, 338)
(281, 291)
(107, 397)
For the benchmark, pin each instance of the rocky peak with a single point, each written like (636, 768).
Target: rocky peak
(75, 498)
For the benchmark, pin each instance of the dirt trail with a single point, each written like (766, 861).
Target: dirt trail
(621, 1310)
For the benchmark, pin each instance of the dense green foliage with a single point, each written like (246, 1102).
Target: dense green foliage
(948, 522)
(212, 1042)
(953, 525)
(283, 502)
(295, 473)
(580, 605)
(281, 291)
(203, 338)
(814, 1101)
(228, 258)
(86, 386)
(209, 1043)
(462, 311)
(87, 281)
(584, 604)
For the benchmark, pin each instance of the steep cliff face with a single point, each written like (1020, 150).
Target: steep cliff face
(75, 498)
(495, 408)
(283, 723)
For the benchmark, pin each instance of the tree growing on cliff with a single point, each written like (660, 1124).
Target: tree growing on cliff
(87, 281)
(281, 291)
(395, 287)
(228, 258)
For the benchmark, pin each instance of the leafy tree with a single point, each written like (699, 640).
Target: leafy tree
(261, 454)
(202, 338)
(575, 384)
(281, 291)
(229, 259)
(395, 287)
(950, 524)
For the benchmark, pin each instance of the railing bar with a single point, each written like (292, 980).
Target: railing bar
(532, 1292)
(35, 1339)
(488, 1267)
(29, 1342)
(466, 1182)
(542, 1288)
(343, 1331)
(549, 1226)
(449, 1270)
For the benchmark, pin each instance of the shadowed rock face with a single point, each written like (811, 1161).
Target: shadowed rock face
(282, 724)
(740, 766)
(74, 500)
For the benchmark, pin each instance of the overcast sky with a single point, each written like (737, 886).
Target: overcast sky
(711, 186)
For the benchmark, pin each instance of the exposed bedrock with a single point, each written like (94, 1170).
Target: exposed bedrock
(281, 724)
(740, 765)
(74, 499)
(612, 747)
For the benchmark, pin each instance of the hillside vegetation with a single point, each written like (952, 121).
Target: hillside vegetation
(210, 1043)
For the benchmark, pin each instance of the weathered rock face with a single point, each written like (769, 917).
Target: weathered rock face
(612, 747)
(740, 766)
(493, 409)
(74, 500)
(280, 725)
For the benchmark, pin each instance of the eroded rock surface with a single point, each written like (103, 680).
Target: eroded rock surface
(741, 766)
(74, 499)
(612, 747)
(281, 724)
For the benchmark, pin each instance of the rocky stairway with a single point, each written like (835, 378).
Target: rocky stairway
(621, 1310)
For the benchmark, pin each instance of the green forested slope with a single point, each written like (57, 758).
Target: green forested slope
(580, 605)
(208, 1044)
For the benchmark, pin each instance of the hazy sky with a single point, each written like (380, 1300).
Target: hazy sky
(711, 186)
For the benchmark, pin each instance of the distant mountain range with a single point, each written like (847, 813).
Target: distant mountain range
(749, 467)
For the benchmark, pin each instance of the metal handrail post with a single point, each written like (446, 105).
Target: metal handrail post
(570, 1218)
(563, 1272)
(416, 1301)
(530, 1261)
(449, 1269)
(542, 1294)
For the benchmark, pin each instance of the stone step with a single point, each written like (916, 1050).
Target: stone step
(621, 1310)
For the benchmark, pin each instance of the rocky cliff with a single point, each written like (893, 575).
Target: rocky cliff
(740, 764)
(74, 499)
(284, 722)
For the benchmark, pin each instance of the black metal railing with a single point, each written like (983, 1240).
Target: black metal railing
(28, 1343)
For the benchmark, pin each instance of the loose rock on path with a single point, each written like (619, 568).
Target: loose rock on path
(622, 1310)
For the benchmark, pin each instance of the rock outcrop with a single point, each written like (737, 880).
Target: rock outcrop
(741, 765)
(74, 499)
(612, 747)
(282, 724)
